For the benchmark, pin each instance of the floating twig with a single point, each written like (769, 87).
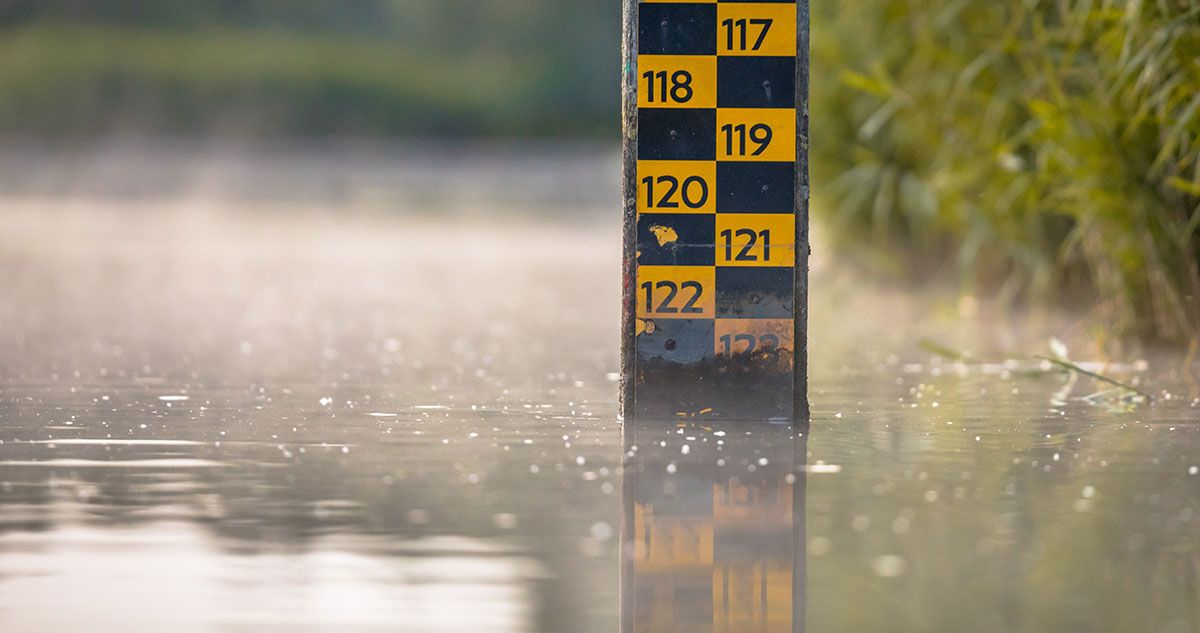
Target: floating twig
(1069, 366)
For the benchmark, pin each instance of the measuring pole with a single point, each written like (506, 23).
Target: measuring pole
(715, 127)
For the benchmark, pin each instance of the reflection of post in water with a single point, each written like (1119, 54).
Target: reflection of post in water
(713, 537)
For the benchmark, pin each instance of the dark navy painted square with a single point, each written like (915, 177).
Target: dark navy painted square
(683, 341)
(756, 187)
(756, 82)
(677, 29)
(676, 239)
(677, 134)
(755, 293)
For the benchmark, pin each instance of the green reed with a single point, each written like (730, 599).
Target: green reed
(1041, 149)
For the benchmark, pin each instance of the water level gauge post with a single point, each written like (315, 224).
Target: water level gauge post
(716, 189)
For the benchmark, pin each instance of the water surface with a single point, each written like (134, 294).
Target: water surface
(229, 415)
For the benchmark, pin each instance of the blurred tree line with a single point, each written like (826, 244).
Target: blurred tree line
(424, 67)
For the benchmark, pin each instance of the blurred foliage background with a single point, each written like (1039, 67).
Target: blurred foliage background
(310, 67)
(1047, 148)
(1042, 149)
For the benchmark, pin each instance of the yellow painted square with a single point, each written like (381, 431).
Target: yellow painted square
(676, 186)
(756, 239)
(676, 292)
(758, 29)
(774, 129)
(677, 81)
(753, 596)
(741, 336)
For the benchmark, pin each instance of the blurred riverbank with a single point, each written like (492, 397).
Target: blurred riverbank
(184, 197)
(558, 180)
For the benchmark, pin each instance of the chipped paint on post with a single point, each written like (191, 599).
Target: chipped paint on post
(715, 128)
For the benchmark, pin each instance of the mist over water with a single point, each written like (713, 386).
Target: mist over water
(312, 389)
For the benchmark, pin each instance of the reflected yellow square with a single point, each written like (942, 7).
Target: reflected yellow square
(753, 596)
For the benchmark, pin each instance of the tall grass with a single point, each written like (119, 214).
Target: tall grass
(1044, 148)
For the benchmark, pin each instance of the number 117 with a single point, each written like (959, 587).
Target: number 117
(741, 27)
